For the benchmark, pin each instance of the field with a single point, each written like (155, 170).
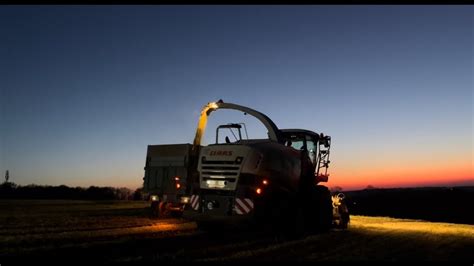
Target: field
(104, 232)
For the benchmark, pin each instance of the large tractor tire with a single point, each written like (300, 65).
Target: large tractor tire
(318, 214)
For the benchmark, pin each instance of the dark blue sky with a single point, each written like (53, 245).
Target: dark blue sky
(84, 89)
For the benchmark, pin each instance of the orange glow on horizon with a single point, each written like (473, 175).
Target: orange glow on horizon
(391, 175)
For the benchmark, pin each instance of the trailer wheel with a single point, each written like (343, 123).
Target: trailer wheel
(155, 209)
(163, 209)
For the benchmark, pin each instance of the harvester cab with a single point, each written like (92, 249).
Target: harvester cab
(314, 148)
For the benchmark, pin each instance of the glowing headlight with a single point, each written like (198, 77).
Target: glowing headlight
(154, 198)
(185, 199)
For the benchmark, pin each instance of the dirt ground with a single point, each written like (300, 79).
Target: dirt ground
(109, 232)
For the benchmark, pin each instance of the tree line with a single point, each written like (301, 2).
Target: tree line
(9, 190)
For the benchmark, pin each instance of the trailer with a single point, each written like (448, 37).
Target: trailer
(167, 169)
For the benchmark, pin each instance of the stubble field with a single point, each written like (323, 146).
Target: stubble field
(107, 232)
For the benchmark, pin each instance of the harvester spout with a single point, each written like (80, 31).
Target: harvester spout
(205, 112)
(274, 133)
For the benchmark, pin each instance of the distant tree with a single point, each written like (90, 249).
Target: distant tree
(370, 187)
(7, 176)
(100, 193)
(123, 193)
(33, 191)
(138, 194)
(8, 190)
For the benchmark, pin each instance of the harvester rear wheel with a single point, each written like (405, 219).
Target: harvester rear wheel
(319, 211)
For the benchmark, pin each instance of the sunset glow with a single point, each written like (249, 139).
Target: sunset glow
(457, 173)
(85, 89)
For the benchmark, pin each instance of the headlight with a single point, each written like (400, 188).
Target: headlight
(154, 198)
(184, 199)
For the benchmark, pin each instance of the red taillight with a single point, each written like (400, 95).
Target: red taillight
(265, 182)
(259, 191)
(176, 179)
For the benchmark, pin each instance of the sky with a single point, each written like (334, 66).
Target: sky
(85, 89)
